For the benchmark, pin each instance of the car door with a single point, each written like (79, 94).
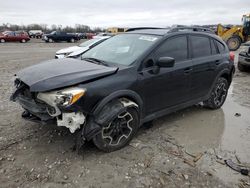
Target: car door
(167, 87)
(202, 74)
(64, 36)
(56, 36)
(11, 37)
(18, 37)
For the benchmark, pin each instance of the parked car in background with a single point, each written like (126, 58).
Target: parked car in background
(244, 58)
(82, 35)
(14, 36)
(126, 81)
(90, 35)
(77, 51)
(59, 36)
(100, 35)
(35, 34)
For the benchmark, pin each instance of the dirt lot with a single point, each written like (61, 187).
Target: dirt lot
(33, 155)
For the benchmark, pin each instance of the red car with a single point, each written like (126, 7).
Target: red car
(90, 35)
(14, 36)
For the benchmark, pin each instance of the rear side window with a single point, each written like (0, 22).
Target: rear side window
(221, 47)
(213, 47)
(200, 46)
(174, 47)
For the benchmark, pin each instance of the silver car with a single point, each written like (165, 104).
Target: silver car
(77, 51)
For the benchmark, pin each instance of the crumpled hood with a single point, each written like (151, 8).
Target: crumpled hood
(59, 73)
(68, 50)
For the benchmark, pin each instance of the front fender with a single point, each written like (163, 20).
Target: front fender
(129, 94)
(109, 108)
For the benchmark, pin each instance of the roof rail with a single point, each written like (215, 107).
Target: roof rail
(198, 29)
(141, 28)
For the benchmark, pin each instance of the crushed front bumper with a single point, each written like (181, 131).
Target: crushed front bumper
(39, 111)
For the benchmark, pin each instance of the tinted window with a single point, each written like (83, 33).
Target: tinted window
(221, 47)
(213, 47)
(200, 46)
(175, 48)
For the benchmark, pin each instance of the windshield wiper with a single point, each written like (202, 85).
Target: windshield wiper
(94, 60)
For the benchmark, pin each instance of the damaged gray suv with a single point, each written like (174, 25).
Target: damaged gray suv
(126, 81)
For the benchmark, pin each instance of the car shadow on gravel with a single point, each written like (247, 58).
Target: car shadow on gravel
(57, 138)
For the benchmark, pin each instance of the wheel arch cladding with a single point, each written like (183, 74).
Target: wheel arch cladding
(225, 74)
(228, 75)
(105, 112)
(128, 94)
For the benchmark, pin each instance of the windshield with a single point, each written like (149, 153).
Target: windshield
(53, 32)
(89, 42)
(122, 49)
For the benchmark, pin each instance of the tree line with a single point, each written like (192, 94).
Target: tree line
(78, 28)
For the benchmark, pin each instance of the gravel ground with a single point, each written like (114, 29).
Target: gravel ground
(162, 155)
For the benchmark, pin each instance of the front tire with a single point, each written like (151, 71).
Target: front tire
(51, 40)
(2, 41)
(119, 132)
(218, 94)
(234, 43)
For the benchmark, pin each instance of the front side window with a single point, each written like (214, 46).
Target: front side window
(200, 46)
(176, 48)
(122, 49)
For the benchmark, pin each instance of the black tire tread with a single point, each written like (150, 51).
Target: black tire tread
(210, 102)
(236, 37)
(100, 144)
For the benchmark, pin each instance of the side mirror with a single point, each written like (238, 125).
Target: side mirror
(166, 62)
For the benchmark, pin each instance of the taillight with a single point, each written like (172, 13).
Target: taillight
(231, 56)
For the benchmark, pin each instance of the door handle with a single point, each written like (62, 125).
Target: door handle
(188, 70)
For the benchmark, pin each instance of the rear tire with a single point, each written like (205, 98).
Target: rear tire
(2, 41)
(241, 67)
(218, 94)
(234, 43)
(72, 40)
(23, 41)
(119, 132)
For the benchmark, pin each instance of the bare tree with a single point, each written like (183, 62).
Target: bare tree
(78, 28)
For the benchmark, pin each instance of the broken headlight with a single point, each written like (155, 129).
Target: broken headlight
(69, 96)
(63, 97)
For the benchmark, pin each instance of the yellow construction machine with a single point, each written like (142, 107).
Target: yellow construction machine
(235, 35)
(116, 30)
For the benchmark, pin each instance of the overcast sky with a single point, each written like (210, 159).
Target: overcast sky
(123, 13)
